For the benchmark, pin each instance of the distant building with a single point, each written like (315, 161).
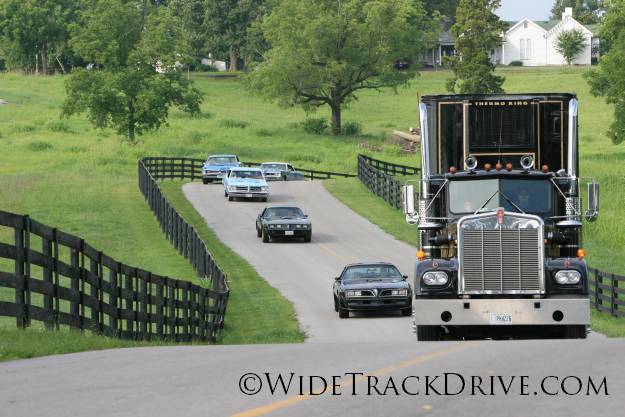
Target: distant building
(531, 42)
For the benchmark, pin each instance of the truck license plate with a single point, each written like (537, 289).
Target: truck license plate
(500, 318)
(249, 195)
(288, 233)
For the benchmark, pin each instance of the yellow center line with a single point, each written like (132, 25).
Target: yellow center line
(334, 253)
(266, 409)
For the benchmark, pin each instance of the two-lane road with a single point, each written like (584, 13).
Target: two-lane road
(304, 272)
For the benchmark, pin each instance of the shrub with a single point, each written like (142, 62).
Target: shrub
(351, 129)
(232, 123)
(264, 132)
(59, 126)
(315, 126)
(38, 145)
(516, 63)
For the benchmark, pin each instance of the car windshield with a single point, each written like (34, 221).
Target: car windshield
(531, 196)
(257, 175)
(274, 166)
(370, 272)
(218, 160)
(284, 212)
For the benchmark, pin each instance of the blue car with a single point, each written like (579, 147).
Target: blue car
(216, 166)
(245, 183)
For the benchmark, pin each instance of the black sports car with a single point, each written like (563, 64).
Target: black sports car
(283, 222)
(371, 286)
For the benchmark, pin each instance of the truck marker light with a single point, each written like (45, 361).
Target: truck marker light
(509, 166)
(545, 169)
(420, 255)
(488, 167)
(453, 170)
(567, 263)
(581, 253)
(498, 166)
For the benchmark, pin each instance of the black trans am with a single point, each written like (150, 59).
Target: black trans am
(371, 286)
(283, 222)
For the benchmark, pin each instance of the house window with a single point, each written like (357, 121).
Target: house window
(525, 48)
(525, 25)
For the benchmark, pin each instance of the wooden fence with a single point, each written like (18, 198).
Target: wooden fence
(61, 280)
(378, 177)
(604, 292)
(191, 168)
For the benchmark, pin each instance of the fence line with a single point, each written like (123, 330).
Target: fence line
(61, 280)
(604, 291)
(378, 177)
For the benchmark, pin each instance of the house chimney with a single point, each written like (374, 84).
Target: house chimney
(568, 12)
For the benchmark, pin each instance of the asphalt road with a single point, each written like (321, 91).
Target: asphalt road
(208, 380)
(304, 272)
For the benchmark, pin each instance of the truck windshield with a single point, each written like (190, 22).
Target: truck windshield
(531, 196)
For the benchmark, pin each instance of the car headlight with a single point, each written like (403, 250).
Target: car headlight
(403, 292)
(264, 188)
(435, 278)
(231, 188)
(353, 293)
(566, 277)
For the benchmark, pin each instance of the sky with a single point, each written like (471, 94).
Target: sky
(518, 9)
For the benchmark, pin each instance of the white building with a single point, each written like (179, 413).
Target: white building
(531, 42)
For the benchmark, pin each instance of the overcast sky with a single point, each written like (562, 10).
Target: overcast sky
(518, 9)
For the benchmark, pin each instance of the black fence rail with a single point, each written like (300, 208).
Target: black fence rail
(604, 292)
(61, 280)
(381, 181)
(390, 168)
(191, 168)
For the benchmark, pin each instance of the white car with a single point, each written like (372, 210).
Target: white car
(245, 183)
(280, 171)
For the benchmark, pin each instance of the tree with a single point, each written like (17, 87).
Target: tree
(323, 52)
(226, 23)
(584, 11)
(608, 79)
(446, 8)
(191, 14)
(137, 49)
(34, 33)
(570, 43)
(478, 30)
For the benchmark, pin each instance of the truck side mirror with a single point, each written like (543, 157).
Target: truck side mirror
(593, 202)
(408, 198)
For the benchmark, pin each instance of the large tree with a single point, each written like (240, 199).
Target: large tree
(570, 43)
(608, 79)
(584, 11)
(34, 33)
(323, 52)
(226, 23)
(134, 48)
(478, 30)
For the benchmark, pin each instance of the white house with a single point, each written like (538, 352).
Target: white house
(531, 42)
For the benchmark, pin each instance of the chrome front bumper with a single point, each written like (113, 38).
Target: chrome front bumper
(522, 311)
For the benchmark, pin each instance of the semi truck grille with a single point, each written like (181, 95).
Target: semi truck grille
(502, 260)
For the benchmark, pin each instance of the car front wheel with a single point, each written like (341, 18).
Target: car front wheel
(343, 313)
(265, 236)
(406, 311)
(336, 305)
(205, 181)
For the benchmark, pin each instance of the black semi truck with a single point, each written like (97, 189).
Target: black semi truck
(499, 216)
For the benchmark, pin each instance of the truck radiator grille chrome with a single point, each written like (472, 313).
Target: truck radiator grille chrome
(505, 260)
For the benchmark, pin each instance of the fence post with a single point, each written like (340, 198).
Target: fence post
(74, 306)
(113, 296)
(20, 287)
(613, 296)
(46, 250)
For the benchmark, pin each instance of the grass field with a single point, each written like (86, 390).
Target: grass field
(66, 174)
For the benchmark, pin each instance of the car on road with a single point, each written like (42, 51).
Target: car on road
(283, 222)
(248, 183)
(371, 287)
(275, 171)
(216, 166)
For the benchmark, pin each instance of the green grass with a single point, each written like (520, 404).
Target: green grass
(257, 312)
(69, 175)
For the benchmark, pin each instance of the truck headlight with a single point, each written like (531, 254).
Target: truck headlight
(353, 293)
(435, 278)
(566, 277)
(403, 292)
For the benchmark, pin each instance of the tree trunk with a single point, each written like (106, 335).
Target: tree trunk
(36, 64)
(336, 119)
(233, 61)
(44, 62)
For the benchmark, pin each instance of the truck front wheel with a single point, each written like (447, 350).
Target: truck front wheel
(428, 333)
